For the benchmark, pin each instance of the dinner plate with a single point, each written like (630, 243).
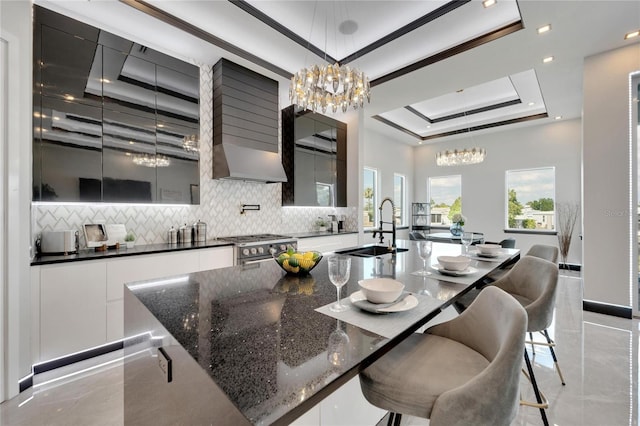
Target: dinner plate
(486, 259)
(487, 255)
(470, 270)
(358, 299)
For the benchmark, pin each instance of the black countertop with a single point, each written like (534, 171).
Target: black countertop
(90, 254)
(254, 330)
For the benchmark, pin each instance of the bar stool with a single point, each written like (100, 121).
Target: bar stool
(462, 372)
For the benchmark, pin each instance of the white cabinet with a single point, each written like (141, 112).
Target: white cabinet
(344, 407)
(72, 307)
(79, 305)
(328, 243)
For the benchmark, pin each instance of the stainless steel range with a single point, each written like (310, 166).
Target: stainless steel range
(257, 248)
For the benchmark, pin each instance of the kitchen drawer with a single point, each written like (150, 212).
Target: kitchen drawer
(329, 243)
(138, 268)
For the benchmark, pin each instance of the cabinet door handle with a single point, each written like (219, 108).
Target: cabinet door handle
(165, 362)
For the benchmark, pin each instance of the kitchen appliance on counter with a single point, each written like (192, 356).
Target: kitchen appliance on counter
(59, 242)
(185, 234)
(199, 232)
(259, 248)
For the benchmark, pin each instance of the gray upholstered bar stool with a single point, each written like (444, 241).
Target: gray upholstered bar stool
(533, 283)
(462, 372)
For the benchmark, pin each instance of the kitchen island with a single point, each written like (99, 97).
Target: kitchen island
(247, 344)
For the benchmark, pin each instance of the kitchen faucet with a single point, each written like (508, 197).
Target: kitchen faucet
(380, 230)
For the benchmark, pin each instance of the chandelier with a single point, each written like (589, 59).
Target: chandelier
(460, 158)
(149, 160)
(319, 88)
(191, 143)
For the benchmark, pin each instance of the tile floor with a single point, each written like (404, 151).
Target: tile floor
(597, 353)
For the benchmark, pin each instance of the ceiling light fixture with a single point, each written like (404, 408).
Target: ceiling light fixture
(460, 158)
(547, 59)
(531, 104)
(150, 160)
(543, 29)
(632, 34)
(558, 117)
(466, 156)
(489, 3)
(322, 87)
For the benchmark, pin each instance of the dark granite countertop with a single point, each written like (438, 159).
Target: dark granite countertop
(312, 234)
(89, 254)
(254, 330)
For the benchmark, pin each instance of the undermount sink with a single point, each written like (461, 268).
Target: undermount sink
(371, 251)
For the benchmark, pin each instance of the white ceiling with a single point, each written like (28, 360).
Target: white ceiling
(499, 70)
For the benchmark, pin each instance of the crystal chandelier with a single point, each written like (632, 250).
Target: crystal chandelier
(191, 143)
(319, 88)
(460, 158)
(150, 160)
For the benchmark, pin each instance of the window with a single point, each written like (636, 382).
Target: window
(370, 194)
(445, 197)
(530, 199)
(399, 199)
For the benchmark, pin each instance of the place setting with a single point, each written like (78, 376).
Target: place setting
(487, 253)
(454, 266)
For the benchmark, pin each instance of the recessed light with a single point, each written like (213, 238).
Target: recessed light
(547, 59)
(69, 97)
(544, 29)
(428, 127)
(36, 114)
(558, 117)
(105, 80)
(531, 103)
(489, 3)
(127, 154)
(131, 142)
(56, 118)
(419, 142)
(160, 125)
(632, 34)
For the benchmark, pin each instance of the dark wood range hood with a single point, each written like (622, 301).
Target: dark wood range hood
(245, 125)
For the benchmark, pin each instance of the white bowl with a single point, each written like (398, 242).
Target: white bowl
(454, 263)
(489, 249)
(381, 290)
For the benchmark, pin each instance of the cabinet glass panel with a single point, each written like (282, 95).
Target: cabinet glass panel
(129, 158)
(69, 150)
(314, 154)
(70, 67)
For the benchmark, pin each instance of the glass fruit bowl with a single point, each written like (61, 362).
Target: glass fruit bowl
(298, 262)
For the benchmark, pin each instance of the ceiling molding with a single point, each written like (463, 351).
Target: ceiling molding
(396, 126)
(176, 22)
(471, 111)
(478, 41)
(423, 20)
(266, 19)
(487, 126)
(418, 113)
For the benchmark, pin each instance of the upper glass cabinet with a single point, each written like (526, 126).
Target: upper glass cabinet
(314, 159)
(114, 121)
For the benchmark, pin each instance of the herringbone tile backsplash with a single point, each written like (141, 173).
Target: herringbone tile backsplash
(220, 202)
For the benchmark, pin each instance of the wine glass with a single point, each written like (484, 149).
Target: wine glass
(424, 251)
(339, 271)
(338, 347)
(466, 239)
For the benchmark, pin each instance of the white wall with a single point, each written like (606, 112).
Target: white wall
(388, 157)
(554, 144)
(609, 222)
(15, 30)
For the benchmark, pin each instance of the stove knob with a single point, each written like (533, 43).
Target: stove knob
(253, 250)
(272, 250)
(283, 247)
(260, 250)
(245, 252)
